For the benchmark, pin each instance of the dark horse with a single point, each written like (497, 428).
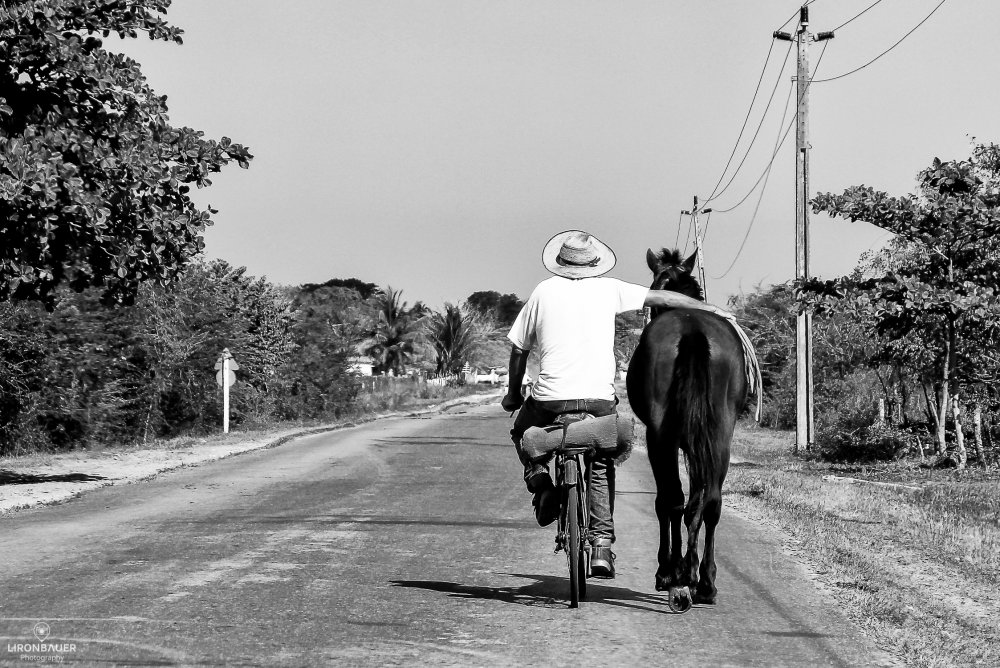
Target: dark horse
(687, 383)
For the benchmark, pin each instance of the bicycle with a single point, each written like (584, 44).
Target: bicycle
(573, 478)
(572, 446)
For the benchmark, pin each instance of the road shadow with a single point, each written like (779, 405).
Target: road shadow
(361, 521)
(14, 478)
(546, 590)
(438, 440)
(797, 634)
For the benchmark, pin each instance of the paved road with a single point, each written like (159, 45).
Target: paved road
(401, 542)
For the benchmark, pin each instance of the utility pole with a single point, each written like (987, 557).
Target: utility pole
(698, 240)
(804, 426)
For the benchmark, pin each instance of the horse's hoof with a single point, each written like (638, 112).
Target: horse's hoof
(662, 584)
(679, 599)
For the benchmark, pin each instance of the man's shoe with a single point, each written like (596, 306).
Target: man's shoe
(545, 499)
(602, 559)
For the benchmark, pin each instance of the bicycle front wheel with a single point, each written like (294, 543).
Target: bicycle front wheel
(573, 553)
(582, 523)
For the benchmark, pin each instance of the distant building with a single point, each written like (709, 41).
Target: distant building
(361, 366)
(492, 375)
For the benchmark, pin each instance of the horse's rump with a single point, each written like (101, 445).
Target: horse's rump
(686, 381)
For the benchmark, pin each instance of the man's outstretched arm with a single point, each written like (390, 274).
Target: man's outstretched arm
(670, 299)
(515, 375)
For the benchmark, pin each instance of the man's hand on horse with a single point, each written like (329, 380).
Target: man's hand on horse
(722, 312)
(512, 401)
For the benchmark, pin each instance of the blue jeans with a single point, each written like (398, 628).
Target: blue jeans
(602, 485)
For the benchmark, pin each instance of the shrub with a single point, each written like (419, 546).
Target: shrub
(873, 443)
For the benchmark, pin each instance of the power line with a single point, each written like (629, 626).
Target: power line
(767, 171)
(912, 30)
(775, 154)
(678, 239)
(718, 193)
(856, 16)
(778, 141)
(746, 119)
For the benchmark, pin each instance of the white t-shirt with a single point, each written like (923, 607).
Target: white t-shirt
(571, 323)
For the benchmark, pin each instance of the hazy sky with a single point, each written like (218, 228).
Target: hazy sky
(435, 145)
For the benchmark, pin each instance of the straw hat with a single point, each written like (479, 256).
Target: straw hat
(576, 254)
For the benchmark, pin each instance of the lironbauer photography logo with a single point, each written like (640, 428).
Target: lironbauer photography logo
(42, 631)
(41, 651)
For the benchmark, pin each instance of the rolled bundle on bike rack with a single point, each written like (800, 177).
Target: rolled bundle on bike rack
(608, 435)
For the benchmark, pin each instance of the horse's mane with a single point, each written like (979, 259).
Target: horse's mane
(670, 257)
(673, 275)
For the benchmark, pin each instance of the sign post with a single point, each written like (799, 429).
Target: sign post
(226, 377)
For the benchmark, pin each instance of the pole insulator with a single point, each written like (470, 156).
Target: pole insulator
(784, 36)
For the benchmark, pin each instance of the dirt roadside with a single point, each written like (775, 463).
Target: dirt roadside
(42, 479)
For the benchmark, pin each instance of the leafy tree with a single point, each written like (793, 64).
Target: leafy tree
(455, 337)
(768, 316)
(628, 328)
(396, 331)
(186, 326)
(491, 304)
(346, 311)
(365, 290)
(67, 377)
(315, 377)
(331, 320)
(88, 373)
(94, 181)
(845, 375)
(936, 307)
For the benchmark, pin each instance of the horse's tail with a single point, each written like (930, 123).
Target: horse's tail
(691, 412)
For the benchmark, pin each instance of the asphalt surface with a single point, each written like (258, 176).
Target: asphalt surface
(408, 541)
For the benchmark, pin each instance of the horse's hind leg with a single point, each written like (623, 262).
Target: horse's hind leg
(693, 519)
(669, 508)
(707, 590)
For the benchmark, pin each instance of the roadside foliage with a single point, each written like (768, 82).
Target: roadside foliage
(94, 180)
(922, 317)
(86, 373)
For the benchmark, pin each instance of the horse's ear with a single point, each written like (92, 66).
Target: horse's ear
(652, 260)
(689, 263)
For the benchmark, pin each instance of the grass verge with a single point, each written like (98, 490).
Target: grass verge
(915, 563)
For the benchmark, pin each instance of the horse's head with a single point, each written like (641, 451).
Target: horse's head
(672, 272)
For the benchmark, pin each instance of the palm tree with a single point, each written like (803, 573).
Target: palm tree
(396, 329)
(454, 336)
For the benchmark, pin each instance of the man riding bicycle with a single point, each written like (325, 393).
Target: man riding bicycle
(570, 320)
